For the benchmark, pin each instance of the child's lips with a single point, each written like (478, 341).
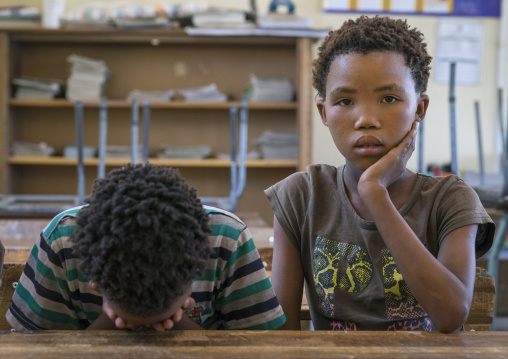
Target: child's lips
(368, 146)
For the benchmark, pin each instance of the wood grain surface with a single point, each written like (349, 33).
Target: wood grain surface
(252, 344)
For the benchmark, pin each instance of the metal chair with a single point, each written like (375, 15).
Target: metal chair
(238, 160)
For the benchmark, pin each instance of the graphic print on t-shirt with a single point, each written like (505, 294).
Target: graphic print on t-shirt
(400, 303)
(347, 267)
(343, 265)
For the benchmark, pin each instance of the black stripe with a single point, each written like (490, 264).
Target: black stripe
(57, 297)
(56, 258)
(45, 292)
(65, 254)
(202, 296)
(247, 269)
(20, 317)
(53, 258)
(222, 253)
(251, 311)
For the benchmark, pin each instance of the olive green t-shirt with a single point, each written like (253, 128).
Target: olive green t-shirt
(352, 281)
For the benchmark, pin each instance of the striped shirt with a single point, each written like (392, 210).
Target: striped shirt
(234, 291)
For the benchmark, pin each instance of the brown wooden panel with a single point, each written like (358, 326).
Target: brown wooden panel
(253, 344)
(4, 90)
(180, 61)
(10, 277)
(145, 67)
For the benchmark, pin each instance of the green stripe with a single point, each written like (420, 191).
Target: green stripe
(245, 248)
(55, 220)
(74, 274)
(45, 313)
(273, 324)
(210, 323)
(61, 231)
(48, 273)
(252, 289)
(225, 231)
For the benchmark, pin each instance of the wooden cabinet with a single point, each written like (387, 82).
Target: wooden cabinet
(152, 60)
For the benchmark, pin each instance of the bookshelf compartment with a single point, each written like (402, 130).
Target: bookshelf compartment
(180, 61)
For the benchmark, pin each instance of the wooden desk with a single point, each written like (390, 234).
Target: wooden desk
(252, 344)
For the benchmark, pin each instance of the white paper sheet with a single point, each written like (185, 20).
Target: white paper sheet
(459, 41)
(403, 5)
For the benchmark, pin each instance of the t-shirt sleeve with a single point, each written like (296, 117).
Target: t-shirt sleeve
(247, 300)
(288, 199)
(460, 206)
(52, 292)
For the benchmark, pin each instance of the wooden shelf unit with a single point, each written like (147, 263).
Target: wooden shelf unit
(177, 61)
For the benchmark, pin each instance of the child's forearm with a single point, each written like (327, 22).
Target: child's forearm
(186, 324)
(445, 292)
(103, 322)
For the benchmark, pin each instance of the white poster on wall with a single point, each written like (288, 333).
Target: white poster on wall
(403, 5)
(339, 5)
(437, 6)
(459, 41)
(370, 5)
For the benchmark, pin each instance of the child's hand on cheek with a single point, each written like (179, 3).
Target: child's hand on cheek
(391, 166)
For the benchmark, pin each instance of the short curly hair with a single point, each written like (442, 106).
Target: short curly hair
(142, 237)
(378, 33)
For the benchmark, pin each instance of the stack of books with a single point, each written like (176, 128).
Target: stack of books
(71, 151)
(278, 145)
(189, 152)
(32, 149)
(19, 16)
(117, 151)
(221, 19)
(268, 90)
(36, 89)
(285, 21)
(87, 80)
(151, 96)
(209, 93)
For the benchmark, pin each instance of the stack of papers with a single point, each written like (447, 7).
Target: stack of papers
(269, 90)
(87, 80)
(151, 96)
(194, 152)
(115, 151)
(32, 149)
(71, 151)
(208, 93)
(278, 145)
(36, 89)
(221, 19)
(284, 21)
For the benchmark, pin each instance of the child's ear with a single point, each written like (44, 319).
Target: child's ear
(322, 111)
(421, 107)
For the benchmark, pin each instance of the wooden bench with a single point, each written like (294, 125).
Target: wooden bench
(10, 277)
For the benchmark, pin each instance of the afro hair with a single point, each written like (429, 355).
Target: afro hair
(142, 237)
(365, 35)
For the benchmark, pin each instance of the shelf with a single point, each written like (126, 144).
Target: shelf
(153, 59)
(156, 105)
(62, 161)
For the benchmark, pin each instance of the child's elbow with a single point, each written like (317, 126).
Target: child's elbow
(454, 319)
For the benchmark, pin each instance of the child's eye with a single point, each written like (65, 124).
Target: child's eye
(345, 102)
(389, 99)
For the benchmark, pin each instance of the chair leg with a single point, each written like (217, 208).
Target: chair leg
(493, 266)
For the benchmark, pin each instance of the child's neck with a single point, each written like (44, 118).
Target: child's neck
(399, 191)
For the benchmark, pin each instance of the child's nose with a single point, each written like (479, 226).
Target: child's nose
(367, 118)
